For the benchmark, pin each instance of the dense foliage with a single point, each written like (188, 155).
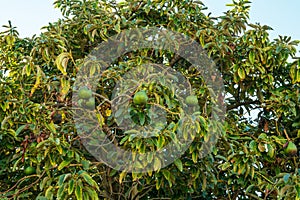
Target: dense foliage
(42, 157)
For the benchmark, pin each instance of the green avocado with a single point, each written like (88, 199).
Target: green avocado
(191, 100)
(29, 170)
(84, 93)
(291, 149)
(140, 98)
(90, 104)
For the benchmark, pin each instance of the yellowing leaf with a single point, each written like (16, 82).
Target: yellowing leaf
(121, 177)
(241, 73)
(65, 86)
(194, 157)
(100, 119)
(298, 76)
(157, 164)
(62, 62)
(39, 75)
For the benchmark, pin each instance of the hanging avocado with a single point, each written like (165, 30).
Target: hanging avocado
(84, 93)
(291, 149)
(140, 98)
(90, 104)
(29, 170)
(191, 100)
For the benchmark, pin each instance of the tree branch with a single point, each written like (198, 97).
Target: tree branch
(230, 107)
(174, 60)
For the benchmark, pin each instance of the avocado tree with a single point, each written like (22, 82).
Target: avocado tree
(42, 156)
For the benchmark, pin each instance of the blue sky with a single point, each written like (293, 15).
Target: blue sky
(27, 15)
(30, 15)
(282, 16)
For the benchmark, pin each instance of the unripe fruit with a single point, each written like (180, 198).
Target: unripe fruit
(140, 98)
(29, 170)
(90, 103)
(291, 149)
(191, 100)
(84, 93)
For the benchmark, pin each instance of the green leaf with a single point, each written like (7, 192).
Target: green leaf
(71, 186)
(78, 192)
(252, 57)
(20, 129)
(124, 139)
(50, 126)
(21, 110)
(60, 192)
(112, 172)
(271, 150)
(249, 188)
(28, 69)
(64, 164)
(225, 166)
(49, 193)
(137, 165)
(178, 164)
(160, 142)
(142, 118)
(62, 178)
(253, 146)
(298, 191)
(166, 174)
(201, 38)
(149, 157)
(89, 180)
(44, 182)
(41, 198)
(85, 164)
(86, 195)
(252, 172)
(194, 157)
(93, 194)
(241, 73)
(92, 69)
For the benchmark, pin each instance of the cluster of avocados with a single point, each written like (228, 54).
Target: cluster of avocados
(86, 99)
(141, 98)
